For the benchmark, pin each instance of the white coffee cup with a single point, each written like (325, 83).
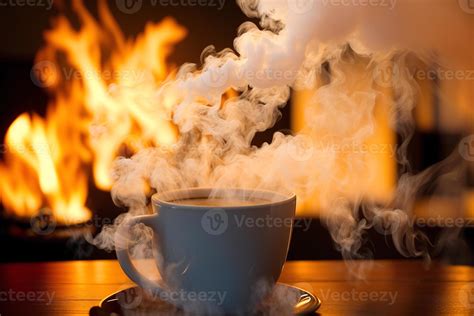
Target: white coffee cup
(233, 253)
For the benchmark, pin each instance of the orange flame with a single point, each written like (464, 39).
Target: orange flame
(103, 102)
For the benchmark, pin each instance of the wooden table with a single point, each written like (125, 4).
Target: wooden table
(391, 287)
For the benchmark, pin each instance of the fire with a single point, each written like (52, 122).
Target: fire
(103, 102)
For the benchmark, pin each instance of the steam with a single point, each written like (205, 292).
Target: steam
(334, 50)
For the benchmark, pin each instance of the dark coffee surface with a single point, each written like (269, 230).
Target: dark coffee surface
(220, 202)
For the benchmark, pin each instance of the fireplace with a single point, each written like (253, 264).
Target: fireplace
(79, 96)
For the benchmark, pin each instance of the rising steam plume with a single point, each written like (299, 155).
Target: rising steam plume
(334, 50)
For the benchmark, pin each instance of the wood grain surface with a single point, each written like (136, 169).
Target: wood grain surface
(390, 287)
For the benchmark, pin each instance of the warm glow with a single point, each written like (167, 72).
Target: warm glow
(375, 156)
(103, 105)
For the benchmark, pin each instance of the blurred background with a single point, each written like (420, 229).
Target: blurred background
(62, 125)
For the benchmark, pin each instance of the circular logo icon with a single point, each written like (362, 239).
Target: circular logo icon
(80, 247)
(130, 297)
(466, 148)
(467, 6)
(304, 286)
(466, 295)
(44, 74)
(215, 77)
(215, 221)
(300, 6)
(129, 6)
(96, 130)
(386, 73)
(388, 223)
(301, 147)
(44, 222)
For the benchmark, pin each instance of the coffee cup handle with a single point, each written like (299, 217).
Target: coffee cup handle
(122, 238)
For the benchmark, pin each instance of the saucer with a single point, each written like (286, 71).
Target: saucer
(134, 301)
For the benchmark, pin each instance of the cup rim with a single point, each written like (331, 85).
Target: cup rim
(196, 192)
